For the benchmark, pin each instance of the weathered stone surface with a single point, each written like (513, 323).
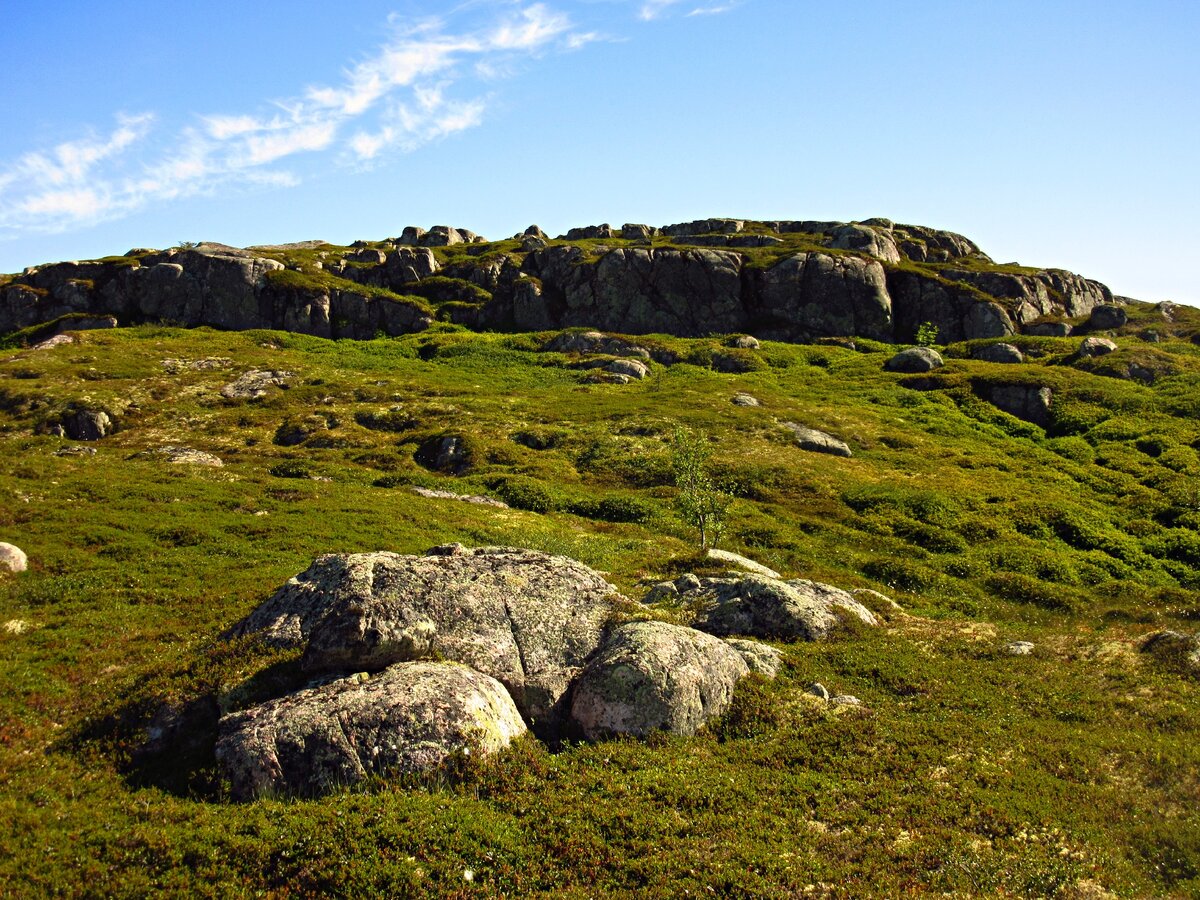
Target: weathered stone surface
(1049, 329)
(915, 359)
(636, 291)
(409, 719)
(527, 618)
(256, 384)
(652, 676)
(630, 368)
(863, 238)
(817, 441)
(462, 498)
(818, 295)
(743, 399)
(84, 424)
(1018, 648)
(12, 558)
(534, 231)
(50, 343)
(1096, 346)
(1107, 316)
(769, 608)
(761, 658)
(634, 232)
(818, 690)
(741, 562)
(589, 232)
(1029, 402)
(704, 226)
(189, 457)
(999, 353)
(744, 342)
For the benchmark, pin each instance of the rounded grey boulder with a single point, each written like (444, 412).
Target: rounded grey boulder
(769, 608)
(1106, 316)
(999, 353)
(12, 558)
(653, 676)
(526, 618)
(409, 719)
(818, 441)
(1096, 346)
(915, 359)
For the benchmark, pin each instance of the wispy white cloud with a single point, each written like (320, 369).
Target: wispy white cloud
(652, 9)
(715, 9)
(426, 82)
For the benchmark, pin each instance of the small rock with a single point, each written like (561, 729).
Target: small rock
(688, 582)
(915, 359)
(188, 457)
(818, 690)
(1096, 346)
(1018, 648)
(16, 626)
(464, 498)
(761, 658)
(999, 353)
(254, 385)
(75, 451)
(12, 558)
(845, 700)
(630, 368)
(744, 342)
(818, 441)
(1049, 329)
(57, 341)
(86, 424)
(742, 562)
(743, 399)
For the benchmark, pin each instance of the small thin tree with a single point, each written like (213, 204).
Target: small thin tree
(701, 502)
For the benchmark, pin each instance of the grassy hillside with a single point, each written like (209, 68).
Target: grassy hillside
(968, 771)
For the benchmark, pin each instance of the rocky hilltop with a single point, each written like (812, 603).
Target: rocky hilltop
(786, 280)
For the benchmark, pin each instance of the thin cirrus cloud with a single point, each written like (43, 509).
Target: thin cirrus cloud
(396, 99)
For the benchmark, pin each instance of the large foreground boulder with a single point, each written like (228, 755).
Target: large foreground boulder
(653, 676)
(769, 608)
(526, 618)
(409, 719)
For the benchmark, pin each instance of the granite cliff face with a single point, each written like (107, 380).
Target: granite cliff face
(788, 280)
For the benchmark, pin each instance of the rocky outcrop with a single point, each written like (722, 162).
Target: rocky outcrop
(408, 720)
(640, 291)
(653, 676)
(851, 279)
(757, 606)
(1107, 317)
(819, 295)
(528, 619)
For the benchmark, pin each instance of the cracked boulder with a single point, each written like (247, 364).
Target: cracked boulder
(526, 618)
(411, 719)
(653, 676)
(756, 606)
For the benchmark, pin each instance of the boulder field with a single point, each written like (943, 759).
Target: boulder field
(418, 660)
(790, 281)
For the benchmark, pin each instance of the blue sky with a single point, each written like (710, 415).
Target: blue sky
(1055, 133)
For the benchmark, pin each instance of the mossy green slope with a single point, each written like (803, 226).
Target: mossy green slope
(972, 772)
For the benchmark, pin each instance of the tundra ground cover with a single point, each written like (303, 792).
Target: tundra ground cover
(971, 771)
